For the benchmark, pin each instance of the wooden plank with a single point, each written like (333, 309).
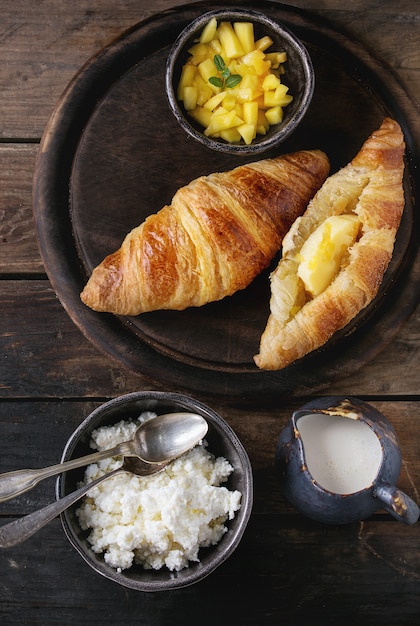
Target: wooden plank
(19, 249)
(305, 574)
(38, 340)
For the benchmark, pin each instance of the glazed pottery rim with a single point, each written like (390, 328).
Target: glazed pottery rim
(166, 580)
(277, 136)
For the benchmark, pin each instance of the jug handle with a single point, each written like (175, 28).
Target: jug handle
(397, 503)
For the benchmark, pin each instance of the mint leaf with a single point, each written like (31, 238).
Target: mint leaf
(219, 63)
(233, 80)
(216, 81)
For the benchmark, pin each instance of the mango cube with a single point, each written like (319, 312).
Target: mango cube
(229, 101)
(231, 135)
(250, 113)
(276, 96)
(207, 69)
(274, 115)
(222, 121)
(215, 100)
(276, 59)
(187, 78)
(263, 43)
(204, 89)
(209, 31)
(256, 59)
(270, 82)
(245, 34)
(247, 132)
(201, 115)
(229, 40)
(190, 97)
(199, 52)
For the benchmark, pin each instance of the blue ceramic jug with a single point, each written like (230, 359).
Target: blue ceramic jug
(339, 460)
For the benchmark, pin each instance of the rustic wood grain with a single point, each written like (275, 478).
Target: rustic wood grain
(299, 569)
(34, 72)
(41, 343)
(19, 251)
(288, 569)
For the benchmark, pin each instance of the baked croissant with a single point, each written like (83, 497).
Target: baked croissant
(335, 255)
(219, 232)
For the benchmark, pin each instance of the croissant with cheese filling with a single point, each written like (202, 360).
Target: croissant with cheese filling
(219, 232)
(335, 255)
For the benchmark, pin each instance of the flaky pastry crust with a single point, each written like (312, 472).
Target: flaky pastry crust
(371, 187)
(218, 234)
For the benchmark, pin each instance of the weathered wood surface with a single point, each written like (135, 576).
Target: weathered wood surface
(288, 569)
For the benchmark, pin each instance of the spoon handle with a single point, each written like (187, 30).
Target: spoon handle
(21, 529)
(13, 484)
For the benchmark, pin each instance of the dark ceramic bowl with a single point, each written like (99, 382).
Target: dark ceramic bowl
(299, 78)
(222, 441)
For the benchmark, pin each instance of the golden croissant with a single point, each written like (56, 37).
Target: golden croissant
(335, 255)
(218, 234)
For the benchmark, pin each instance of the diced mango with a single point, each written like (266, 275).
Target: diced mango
(209, 31)
(270, 82)
(256, 59)
(261, 130)
(190, 97)
(187, 78)
(254, 103)
(216, 47)
(247, 132)
(250, 113)
(276, 96)
(201, 115)
(274, 115)
(199, 52)
(229, 40)
(263, 43)
(276, 58)
(215, 100)
(207, 69)
(229, 101)
(245, 34)
(231, 135)
(205, 92)
(262, 119)
(222, 122)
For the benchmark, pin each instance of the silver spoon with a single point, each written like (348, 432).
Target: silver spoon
(21, 529)
(159, 439)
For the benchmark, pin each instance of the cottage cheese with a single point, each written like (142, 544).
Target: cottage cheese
(160, 520)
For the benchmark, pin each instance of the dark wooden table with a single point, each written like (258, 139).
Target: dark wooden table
(288, 569)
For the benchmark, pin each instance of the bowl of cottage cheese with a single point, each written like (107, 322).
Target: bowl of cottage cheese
(164, 531)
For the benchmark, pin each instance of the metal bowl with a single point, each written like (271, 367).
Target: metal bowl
(299, 77)
(222, 441)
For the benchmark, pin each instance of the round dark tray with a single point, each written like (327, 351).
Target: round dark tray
(112, 154)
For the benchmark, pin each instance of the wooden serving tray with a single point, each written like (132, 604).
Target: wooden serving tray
(112, 154)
